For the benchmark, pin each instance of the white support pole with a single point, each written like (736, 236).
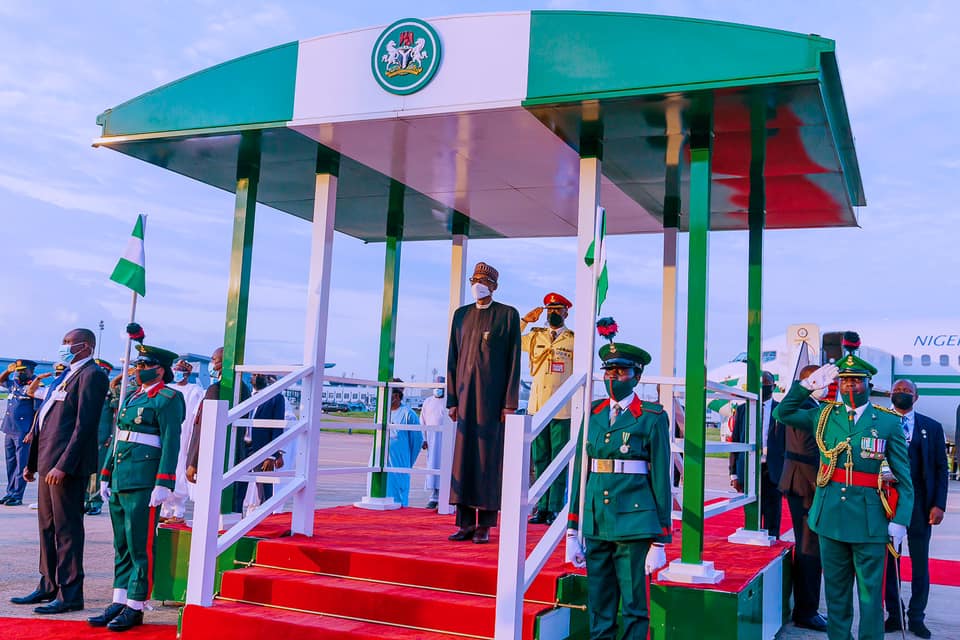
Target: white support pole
(458, 272)
(585, 304)
(125, 365)
(513, 528)
(206, 511)
(314, 349)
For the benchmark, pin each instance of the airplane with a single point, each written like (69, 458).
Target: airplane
(926, 355)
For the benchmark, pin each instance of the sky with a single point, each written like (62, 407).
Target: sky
(66, 209)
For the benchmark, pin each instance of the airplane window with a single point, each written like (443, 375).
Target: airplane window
(925, 360)
(907, 360)
(768, 356)
(944, 361)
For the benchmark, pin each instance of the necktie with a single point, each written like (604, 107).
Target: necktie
(553, 336)
(906, 427)
(615, 411)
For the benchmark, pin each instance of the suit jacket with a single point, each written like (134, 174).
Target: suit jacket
(853, 513)
(622, 506)
(68, 438)
(272, 409)
(212, 393)
(775, 444)
(801, 458)
(930, 479)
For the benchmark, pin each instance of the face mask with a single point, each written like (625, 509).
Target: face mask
(214, 374)
(258, 383)
(179, 376)
(23, 378)
(147, 376)
(479, 290)
(858, 399)
(619, 389)
(555, 319)
(766, 392)
(65, 353)
(819, 394)
(438, 393)
(902, 401)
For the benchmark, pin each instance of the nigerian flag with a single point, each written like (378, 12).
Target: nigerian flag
(597, 252)
(130, 270)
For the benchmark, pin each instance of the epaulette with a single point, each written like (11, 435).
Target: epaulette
(831, 402)
(538, 329)
(167, 393)
(652, 407)
(885, 410)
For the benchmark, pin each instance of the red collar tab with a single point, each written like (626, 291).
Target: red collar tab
(600, 406)
(154, 390)
(636, 406)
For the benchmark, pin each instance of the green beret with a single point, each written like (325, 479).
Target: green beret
(621, 354)
(852, 366)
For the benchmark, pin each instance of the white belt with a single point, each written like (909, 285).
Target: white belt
(619, 466)
(136, 437)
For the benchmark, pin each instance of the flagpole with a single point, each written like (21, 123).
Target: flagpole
(126, 359)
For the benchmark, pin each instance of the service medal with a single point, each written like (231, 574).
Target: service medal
(625, 448)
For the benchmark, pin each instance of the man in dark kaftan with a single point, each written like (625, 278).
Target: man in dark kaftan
(483, 381)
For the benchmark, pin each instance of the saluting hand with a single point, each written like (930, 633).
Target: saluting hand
(533, 315)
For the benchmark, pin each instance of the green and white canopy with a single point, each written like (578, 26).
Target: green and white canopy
(485, 119)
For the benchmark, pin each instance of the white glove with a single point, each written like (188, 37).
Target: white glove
(821, 378)
(898, 532)
(575, 554)
(158, 496)
(105, 490)
(656, 558)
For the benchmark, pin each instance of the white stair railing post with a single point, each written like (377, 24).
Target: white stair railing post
(201, 572)
(448, 437)
(513, 528)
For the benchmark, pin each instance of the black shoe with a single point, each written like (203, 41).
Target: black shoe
(540, 518)
(13, 502)
(816, 622)
(127, 619)
(551, 516)
(892, 624)
(59, 606)
(462, 534)
(111, 612)
(919, 629)
(432, 504)
(94, 510)
(481, 535)
(36, 597)
(4, 499)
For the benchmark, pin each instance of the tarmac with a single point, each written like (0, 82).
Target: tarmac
(19, 540)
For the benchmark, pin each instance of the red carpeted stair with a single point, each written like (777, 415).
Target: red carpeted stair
(369, 575)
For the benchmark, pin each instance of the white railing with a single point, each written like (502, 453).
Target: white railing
(296, 480)
(516, 570)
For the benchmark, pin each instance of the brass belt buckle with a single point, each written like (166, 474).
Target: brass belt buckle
(604, 466)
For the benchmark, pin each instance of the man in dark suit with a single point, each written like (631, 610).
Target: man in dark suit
(63, 449)
(798, 484)
(257, 438)
(771, 459)
(928, 469)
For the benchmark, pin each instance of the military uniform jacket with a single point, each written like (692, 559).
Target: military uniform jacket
(620, 507)
(851, 513)
(551, 363)
(158, 411)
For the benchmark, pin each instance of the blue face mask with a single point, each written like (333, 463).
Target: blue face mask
(65, 353)
(179, 376)
(438, 393)
(214, 374)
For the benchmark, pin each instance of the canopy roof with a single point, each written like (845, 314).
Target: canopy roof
(495, 135)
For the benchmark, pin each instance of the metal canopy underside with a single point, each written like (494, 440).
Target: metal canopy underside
(512, 167)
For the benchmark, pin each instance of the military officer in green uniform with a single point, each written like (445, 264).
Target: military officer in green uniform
(551, 362)
(94, 502)
(626, 509)
(138, 476)
(854, 438)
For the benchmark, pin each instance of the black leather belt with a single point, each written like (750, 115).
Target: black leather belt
(799, 457)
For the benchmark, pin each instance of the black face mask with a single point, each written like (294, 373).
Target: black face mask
(902, 401)
(258, 383)
(555, 320)
(766, 392)
(23, 378)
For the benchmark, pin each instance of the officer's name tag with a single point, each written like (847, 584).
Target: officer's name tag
(557, 366)
(872, 448)
(59, 396)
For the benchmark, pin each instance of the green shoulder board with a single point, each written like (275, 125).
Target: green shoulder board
(885, 410)
(652, 407)
(168, 393)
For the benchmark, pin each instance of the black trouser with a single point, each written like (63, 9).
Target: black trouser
(771, 502)
(806, 560)
(918, 540)
(471, 517)
(60, 517)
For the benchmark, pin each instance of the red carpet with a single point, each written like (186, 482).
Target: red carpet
(942, 572)
(398, 568)
(45, 629)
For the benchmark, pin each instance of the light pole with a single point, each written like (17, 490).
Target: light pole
(99, 338)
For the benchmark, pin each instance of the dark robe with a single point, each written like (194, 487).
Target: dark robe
(483, 378)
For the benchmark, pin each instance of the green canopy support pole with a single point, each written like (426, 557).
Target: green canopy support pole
(378, 498)
(238, 288)
(755, 222)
